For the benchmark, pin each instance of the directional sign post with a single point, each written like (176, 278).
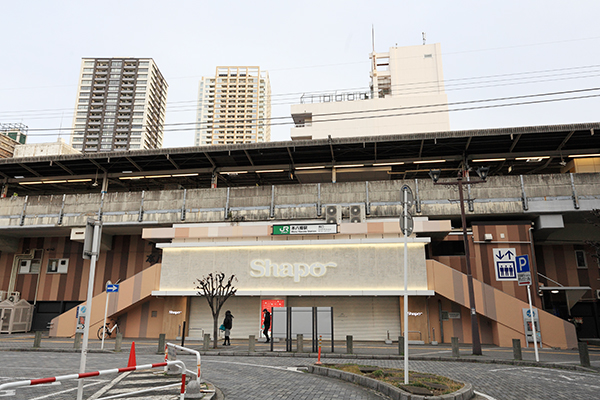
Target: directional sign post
(110, 288)
(524, 279)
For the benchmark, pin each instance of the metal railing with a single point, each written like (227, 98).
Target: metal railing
(84, 375)
(198, 373)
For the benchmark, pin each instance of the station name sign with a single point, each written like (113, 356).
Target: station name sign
(305, 229)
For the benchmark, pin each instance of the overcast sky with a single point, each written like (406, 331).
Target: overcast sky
(490, 49)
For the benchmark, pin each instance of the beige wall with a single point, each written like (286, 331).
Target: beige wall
(358, 267)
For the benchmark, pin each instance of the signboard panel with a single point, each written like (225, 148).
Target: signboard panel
(528, 327)
(305, 229)
(505, 264)
(523, 272)
(112, 288)
(81, 316)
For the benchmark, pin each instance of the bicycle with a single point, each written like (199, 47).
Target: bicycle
(106, 332)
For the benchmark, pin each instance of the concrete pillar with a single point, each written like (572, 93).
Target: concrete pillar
(118, 342)
(300, 343)
(349, 344)
(77, 341)
(206, 343)
(584, 355)
(517, 349)
(161, 344)
(455, 350)
(251, 343)
(401, 345)
(37, 341)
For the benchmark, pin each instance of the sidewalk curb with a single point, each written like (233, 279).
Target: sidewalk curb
(395, 393)
(520, 363)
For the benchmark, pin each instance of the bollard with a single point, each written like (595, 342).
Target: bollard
(517, 349)
(300, 343)
(251, 343)
(455, 351)
(349, 344)
(37, 341)
(319, 357)
(206, 343)
(161, 344)
(401, 345)
(584, 355)
(118, 342)
(77, 342)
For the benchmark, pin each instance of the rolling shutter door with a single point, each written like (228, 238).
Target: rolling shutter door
(246, 317)
(365, 318)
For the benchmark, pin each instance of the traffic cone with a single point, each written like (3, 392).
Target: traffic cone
(132, 362)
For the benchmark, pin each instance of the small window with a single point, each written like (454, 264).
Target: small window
(580, 258)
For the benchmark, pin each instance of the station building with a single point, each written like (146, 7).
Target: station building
(164, 227)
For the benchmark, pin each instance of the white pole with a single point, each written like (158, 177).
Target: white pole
(90, 295)
(405, 216)
(105, 311)
(537, 356)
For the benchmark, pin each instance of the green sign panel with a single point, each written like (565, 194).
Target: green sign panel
(305, 229)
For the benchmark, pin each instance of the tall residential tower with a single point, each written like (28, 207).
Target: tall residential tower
(234, 106)
(120, 105)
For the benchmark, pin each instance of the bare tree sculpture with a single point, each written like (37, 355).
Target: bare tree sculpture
(216, 288)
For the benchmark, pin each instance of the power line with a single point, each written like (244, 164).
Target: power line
(355, 115)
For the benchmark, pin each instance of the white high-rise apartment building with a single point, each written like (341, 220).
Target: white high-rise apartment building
(234, 106)
(406, 95)
(120, 105)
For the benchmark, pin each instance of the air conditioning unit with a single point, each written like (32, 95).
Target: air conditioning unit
(14, 297)
(598, 294)
(333, 214)
(3, 294)
(357, 213)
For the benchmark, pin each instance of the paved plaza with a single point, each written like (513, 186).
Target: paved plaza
(262, 374)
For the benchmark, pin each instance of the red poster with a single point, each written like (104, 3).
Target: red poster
(268, 304)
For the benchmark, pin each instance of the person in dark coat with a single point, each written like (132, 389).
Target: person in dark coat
(267, 324)
(228, 324)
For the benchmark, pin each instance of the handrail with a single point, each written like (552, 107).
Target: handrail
(198, 359)
(84, 375)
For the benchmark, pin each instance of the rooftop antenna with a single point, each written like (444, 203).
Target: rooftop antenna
(373, 37)
(424, 38)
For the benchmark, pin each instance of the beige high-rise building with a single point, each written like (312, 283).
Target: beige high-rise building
(234, 106)
(120, 106)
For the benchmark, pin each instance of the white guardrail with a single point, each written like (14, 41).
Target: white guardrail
(84, 375)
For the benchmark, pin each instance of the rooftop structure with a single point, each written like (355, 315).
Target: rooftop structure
(406, 95)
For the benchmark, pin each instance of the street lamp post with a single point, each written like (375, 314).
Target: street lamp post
(482, 172)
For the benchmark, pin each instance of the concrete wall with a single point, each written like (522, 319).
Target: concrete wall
(499, 195)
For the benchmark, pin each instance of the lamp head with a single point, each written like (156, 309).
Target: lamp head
(435, 174)
(483, 172)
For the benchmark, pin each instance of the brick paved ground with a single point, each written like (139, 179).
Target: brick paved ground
(262, 376)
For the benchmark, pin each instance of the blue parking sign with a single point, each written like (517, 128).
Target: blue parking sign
(522, 263)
